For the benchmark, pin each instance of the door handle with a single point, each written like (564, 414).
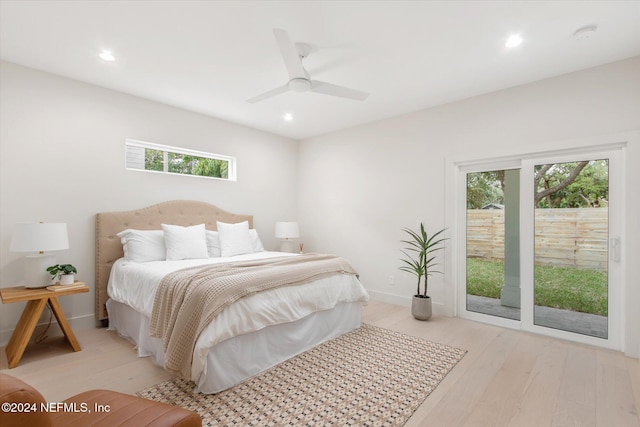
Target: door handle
(614, 249)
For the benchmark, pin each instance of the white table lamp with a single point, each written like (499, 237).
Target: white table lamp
(39, 238)
(287, 231)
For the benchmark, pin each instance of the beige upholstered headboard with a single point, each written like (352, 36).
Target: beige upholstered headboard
(178, 212)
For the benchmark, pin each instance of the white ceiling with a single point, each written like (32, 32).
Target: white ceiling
(210, 56)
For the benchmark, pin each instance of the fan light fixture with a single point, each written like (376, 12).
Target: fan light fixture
(299, 85)
(299, 79)
(513, 40)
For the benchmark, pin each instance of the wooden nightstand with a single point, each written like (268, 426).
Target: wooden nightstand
(37, 299)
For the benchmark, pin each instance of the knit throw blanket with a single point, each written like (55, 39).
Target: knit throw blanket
(188, 300)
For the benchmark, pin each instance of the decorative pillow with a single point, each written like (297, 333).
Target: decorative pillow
(213, 244)
(234, 238)
(255, 240)
(185, 242)
(143, 245)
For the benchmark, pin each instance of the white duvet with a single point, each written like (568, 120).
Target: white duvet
(135, 285)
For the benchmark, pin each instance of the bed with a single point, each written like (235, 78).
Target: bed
(247, 336)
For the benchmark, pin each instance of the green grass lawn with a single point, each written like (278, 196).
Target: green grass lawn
(558, 287)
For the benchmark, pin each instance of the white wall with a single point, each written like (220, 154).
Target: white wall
(360, 186)
(62, 160)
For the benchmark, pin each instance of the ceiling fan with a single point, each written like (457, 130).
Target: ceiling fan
(299, 79)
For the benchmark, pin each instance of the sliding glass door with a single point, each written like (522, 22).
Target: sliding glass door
(492, 243)
(541, 245)
(571, 227)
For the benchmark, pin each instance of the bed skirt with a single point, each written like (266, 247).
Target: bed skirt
(232, 361)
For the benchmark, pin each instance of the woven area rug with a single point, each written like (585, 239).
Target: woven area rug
(370, 376)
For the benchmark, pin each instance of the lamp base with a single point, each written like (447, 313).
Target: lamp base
(287, 246)
(35, 270)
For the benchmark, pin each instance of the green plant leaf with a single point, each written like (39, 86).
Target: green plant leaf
(423, 245)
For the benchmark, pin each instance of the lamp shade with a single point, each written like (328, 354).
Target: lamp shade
(287, 230)
(39, 237)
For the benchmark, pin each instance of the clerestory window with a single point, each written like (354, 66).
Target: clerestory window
(152, 157)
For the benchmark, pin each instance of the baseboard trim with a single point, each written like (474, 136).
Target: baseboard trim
(438, 308)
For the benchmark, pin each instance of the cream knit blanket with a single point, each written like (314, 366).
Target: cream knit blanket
(188, 300)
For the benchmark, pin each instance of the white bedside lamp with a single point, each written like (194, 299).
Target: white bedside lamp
(287, 231)
(39, 237)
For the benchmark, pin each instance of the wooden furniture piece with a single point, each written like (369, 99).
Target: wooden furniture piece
(23, 406)
(36, 300)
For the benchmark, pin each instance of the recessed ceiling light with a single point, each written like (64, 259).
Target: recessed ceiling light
(513, 40)
(287, 117)
(107, 56)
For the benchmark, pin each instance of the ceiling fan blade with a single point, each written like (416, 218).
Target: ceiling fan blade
(335, 90)
(269, 94)
(290, 55)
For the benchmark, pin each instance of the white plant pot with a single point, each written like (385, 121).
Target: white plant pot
(67, 279)
(421, 308)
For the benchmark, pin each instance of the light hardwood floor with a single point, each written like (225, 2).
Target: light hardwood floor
(507, 378)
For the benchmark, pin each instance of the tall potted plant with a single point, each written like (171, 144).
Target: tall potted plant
(421, 264)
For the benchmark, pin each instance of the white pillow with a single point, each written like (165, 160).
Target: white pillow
(143, 245)
(185, 242)
(234, 238)
(213, 244)
(255, 240)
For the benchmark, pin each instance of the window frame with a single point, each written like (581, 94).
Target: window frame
(166, 149)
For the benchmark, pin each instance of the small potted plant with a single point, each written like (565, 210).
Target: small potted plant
(423, 246)
(64, 273)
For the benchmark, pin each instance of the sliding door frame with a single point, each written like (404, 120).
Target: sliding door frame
(614, 268)
(615, 154)
(461, 255)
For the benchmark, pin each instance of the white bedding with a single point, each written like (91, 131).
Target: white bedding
(135, 284)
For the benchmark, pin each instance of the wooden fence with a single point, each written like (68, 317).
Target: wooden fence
(563, 237)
